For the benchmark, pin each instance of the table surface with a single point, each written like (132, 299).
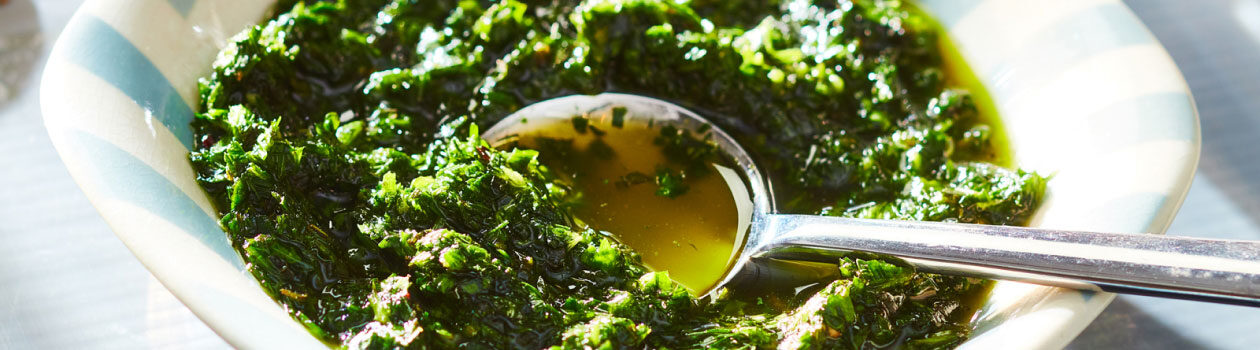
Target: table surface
(67, 282)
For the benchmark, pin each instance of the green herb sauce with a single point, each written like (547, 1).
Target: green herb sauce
(339, 141)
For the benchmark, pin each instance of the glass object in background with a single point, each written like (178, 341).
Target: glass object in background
(21, 44)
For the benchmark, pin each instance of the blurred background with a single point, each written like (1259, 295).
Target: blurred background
(67, 282)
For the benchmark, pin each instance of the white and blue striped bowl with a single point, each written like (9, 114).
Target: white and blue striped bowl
(1085, 92)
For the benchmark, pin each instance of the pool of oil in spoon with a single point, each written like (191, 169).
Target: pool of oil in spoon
(691, 236)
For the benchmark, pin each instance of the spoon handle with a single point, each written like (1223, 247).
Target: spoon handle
(1223, 271)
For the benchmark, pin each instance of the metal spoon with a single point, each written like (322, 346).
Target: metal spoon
(1221, 271)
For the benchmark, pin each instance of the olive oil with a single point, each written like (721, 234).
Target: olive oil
(959, 75)
(678, 217)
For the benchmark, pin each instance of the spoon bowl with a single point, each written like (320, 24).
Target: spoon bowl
(749, 189)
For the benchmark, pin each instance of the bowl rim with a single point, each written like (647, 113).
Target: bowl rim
(54, 100)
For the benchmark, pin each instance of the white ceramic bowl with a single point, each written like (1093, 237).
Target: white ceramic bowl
(1084, 90)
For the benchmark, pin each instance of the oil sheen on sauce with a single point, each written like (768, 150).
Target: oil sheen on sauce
(613, 170)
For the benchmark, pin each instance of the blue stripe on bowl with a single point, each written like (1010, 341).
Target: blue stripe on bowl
(1142, 119)
(948, 12)
(182, 6)
(98, 48)
(1126, 213)
(1061, 45)
(123, 177)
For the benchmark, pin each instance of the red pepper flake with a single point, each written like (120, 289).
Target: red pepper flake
(483, 153)
(206, 141)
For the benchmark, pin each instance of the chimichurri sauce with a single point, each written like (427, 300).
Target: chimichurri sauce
(339, 141)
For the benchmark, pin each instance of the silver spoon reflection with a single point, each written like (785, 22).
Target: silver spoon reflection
(772, 249)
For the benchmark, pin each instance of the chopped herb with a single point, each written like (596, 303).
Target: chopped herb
(633, 178)
(618, 117)
(669, 183)
(338, 140)
(580, 123)
(601, 150)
